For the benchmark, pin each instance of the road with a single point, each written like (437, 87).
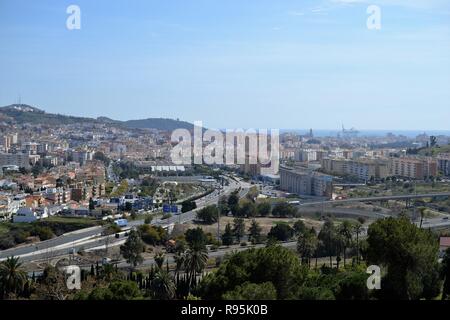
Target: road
(90, 238)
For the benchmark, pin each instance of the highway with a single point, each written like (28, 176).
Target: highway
(91, 237)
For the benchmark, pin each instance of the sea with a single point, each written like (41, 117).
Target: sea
(369, 133)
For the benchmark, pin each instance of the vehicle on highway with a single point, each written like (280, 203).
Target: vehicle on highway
(121, 222)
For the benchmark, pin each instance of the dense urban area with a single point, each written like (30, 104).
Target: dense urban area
(105, 196)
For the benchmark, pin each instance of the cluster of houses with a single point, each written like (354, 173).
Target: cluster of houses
(33, 207)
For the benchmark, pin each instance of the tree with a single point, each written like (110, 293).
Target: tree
(223, 206)
(446, 275)
(124, 290)
(227, 236)
(284, 209)
(409, 255)
(233, 203)
(307, 245)
(100, 156)
(196, 238)
(299, 227)
(254, 232)
(148, 219)
(162, 286)
(188, 205)
(132, 249)
(327, 236)
(208, 214)
(194, 263)
(153, 235)
(247, 208)
(346, 232)
(281, 232)
(238, 228)
(275, 264)
(263, 208)
(52, 285)
(352, 285)
(12, 277)
(357, 229)
(252, 291)
(91, 204)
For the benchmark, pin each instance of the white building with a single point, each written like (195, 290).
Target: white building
(15, 159)
(28, 215)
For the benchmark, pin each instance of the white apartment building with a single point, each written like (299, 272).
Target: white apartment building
(15, 159)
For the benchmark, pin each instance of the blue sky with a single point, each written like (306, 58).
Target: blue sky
(233, 63)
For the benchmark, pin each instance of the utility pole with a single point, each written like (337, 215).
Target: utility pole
(219, 208)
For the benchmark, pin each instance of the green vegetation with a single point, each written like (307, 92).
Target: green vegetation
(410, 256)
(281, 232)
(132, 249)
(406, 254)
(188, 205)
(12, 234)
(153, 235)
(121, 189)
(208, 215)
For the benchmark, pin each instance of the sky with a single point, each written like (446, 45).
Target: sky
(232, 64)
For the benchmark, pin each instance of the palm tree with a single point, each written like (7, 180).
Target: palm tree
(107, 272)
(179, 262)
(195, 262)
(12, 277)
(357, 229)
(327, 236)
(307, 246)
(345, 231)
(163, 286)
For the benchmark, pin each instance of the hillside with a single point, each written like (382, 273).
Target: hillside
(158, 123)
(22, 113)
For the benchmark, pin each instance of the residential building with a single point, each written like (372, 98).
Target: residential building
(444, 163)
(363, 169)
(305, 182)
(15, 159)
(414, 167)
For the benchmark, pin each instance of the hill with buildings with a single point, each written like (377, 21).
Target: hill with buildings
(23, 113)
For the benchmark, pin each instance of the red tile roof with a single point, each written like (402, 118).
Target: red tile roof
(444, 242)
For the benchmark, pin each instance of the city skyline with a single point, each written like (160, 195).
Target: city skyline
(275, 65)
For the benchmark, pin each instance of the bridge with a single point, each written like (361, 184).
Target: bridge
(406, 197)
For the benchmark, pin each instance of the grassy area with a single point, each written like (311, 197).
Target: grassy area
(3, 229)
(12, 234)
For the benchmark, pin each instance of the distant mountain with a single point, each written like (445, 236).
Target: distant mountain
(23, 113)
(158, 123)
